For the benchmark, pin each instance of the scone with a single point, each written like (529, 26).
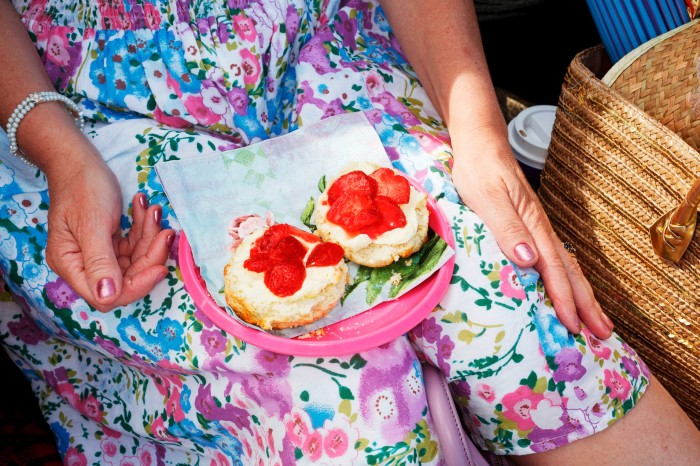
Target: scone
(374, 214)
(281, 277)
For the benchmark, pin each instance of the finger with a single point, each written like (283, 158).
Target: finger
(102, 270)
(64, 257)
(139, 205)
(123, 248)
(555, 276)
(510, 231)
(156, 254)
(150, 228)
(140, 284)
(588, 308)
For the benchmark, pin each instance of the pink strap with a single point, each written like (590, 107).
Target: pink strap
(457, 448)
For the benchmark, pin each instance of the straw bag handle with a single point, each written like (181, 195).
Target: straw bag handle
(672, 233)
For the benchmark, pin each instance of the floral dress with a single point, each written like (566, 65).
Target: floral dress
(156, 382)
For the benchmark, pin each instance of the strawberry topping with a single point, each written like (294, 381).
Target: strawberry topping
(325, 254)
(285, 278)
(392, 217)
(259, 262)
(352, 182)
(353, 211)
(369, 204)
(279, 254)
(272, 236)
(288, 248)
(392, 185)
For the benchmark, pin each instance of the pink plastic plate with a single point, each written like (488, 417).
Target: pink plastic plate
(364, 331)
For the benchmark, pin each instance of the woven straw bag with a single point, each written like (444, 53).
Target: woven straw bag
(612, 171)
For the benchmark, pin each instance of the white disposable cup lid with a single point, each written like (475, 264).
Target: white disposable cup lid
(529, 134)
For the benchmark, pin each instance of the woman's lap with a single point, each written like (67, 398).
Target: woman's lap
(159, 378)
(523, 383)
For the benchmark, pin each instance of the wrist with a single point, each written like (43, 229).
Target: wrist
(41, 122)
(71, 154)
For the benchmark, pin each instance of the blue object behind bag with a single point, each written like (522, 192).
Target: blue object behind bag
(623, 25)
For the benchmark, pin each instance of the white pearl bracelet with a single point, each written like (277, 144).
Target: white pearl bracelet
(29, 103)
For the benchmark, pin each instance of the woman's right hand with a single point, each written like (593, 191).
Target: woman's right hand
(85, 246)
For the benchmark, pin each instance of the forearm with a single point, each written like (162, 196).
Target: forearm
(442, 42)
(47, 134)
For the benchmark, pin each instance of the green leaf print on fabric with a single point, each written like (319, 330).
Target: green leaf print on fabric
(417, 448)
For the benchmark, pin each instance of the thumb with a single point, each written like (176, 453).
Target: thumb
(512, 235)
(102, 271)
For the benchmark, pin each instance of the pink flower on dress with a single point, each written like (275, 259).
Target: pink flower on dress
(92, 408)
(339, 439)
(596, 345)
(372, 81)
(245, 27)
(74, 458)
(39, 28)
(195, 106)
(147, 455)
(244, 225)
(510, 283)
(298, 425)
(129, 461)
(175, 122)
(173, 84)
(173, 407)
(335, 443)
(619, 386)
(57, 49)
(219, 460)
(428, 142)
(486, 392)
(159, 431)
(518, 404)
(313, 446)
(67, 392)
(109, 448)
(251, 67)
(152, 15)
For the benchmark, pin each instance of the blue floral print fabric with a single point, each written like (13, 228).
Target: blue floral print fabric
(156, 382)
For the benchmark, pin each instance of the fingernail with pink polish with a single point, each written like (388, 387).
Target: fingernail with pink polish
(142, 201)
(169, 240)
(157, 215)
(577, 323)
(608, 322)
(106, 288)
(524, 252)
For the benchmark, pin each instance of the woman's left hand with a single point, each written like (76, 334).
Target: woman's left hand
(491, 183)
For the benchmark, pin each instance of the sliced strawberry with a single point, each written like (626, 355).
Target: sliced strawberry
(272, 236)
(258, 263)
(325, 254)
(285, 278)
(288, 248)
(305, 235)
(392, 217)
(352, 182)
(392, 185)
(353, 211)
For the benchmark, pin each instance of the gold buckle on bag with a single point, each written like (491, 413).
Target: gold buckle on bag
(672, 233)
